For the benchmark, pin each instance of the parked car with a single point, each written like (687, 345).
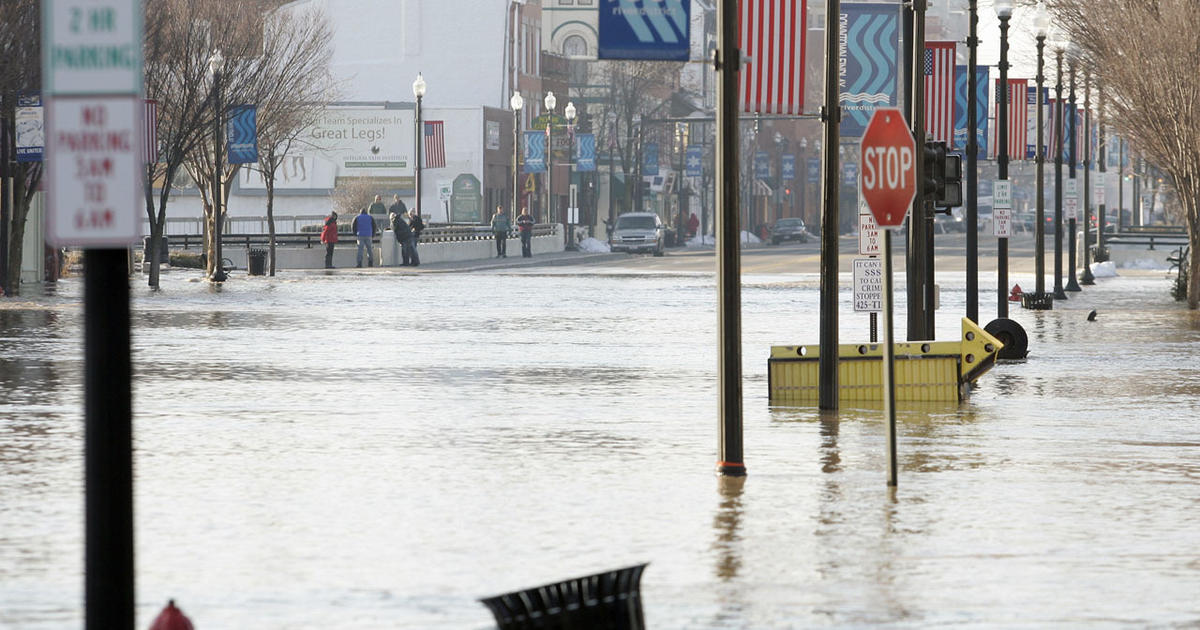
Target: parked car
(790, 229)
(638, 232)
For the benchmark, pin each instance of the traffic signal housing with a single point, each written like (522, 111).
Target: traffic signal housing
(942, 180)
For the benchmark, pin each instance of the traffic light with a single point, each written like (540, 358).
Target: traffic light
(942, 180)
(950, 196)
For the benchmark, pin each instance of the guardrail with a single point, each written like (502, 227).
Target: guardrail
(1146, 239)
(432, 234)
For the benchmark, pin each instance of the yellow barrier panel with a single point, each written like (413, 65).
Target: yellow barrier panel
(926, 371)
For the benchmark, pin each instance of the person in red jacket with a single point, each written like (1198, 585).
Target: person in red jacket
(329, 237)
(525, 228)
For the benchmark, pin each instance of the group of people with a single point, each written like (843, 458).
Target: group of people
(406, 225)
(501, 226)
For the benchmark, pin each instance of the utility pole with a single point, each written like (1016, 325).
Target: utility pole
(920, 222)
(831, 115)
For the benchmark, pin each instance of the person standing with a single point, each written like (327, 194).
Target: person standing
(525, 228)
(329, 237)
(500, 228)
(418, 225)
(377, 206)
(403, 233)
(364, 229)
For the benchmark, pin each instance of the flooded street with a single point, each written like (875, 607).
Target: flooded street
(362, 451)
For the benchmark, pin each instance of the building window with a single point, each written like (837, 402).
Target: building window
(575, 46)
(588, 2)
(566, 1)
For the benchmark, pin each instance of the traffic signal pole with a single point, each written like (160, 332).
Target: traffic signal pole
(919, 257)
(831, 114)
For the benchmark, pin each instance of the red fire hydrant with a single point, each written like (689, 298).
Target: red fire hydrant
(1016, 294)
(171, 618)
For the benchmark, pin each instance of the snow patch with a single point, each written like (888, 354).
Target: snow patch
(1106, 269)
(750, 238)
(1145, 263)
(593, 246)
(706, 240)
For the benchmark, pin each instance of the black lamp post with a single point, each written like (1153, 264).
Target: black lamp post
(572, 204)
(1039, 299)
(549, 102)
(1004, 10)
(1072, 283)
(418, 89)
(215, 65)
(1059, 293)
(1088, 278)
(972, 164)
(517, 102)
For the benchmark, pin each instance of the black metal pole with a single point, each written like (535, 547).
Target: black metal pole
(1002, 168)
(1072, 283)
(550, 215)
(831, 114)
(1059, 293)
(7, 146)
(1087, 279)
(1073, 159)
(972, 164)
(218, 274)
(1120, 183)
(108, 442)
(1039, 231)
(1102, 181)
(516, 163)
(889, 361)
(729, 273)
(421, 140)
(1135, 204)
(920, 221)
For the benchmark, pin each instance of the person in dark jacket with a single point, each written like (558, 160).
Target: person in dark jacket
(418, 226)
(329, 237)
(525, 227)
(500, 228)
(364, 229)
(403, 232)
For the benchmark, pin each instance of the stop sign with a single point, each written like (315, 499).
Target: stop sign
(887, 168)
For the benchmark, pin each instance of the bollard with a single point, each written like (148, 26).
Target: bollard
(604, 601)
(171, 618)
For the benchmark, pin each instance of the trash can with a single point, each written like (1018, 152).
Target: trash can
(256, 262)
(611, 600)
(163, 254)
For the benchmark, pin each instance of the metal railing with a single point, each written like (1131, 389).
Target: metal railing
(431, 234)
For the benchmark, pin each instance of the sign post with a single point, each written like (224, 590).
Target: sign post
(888, 180)
(92, 78)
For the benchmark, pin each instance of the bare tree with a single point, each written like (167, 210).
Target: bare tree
(1144, 53)
(20, 47)
(296, 57)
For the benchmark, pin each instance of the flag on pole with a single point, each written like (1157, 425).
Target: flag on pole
(150, 138)
(435, 145)
(772, 38)
(1018, 115)
(939, 91)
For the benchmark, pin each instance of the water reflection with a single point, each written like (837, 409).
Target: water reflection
(727, 525)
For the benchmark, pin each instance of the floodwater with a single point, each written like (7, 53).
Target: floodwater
(357, 451)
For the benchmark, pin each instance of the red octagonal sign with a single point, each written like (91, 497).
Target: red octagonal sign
(887, 170)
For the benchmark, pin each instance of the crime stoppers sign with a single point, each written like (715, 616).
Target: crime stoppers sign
(888, 168)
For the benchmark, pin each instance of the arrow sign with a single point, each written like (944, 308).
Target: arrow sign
(888, 171)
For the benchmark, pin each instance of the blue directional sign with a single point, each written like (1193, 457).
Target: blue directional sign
(644, 29)
(694, 162)
(650, 159)
(762, 165)
(789, 167)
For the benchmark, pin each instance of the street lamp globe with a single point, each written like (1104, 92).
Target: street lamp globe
(1058, 39)
(419, 86)
(1041, 20)
(216, 62)
(778, 138)
(803, 143)
(517, 102)
(550, 101)
(1004, 8)
(570, 111)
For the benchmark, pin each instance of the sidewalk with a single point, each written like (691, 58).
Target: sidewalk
(489, 264)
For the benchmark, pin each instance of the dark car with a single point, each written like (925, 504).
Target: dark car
(790, 229)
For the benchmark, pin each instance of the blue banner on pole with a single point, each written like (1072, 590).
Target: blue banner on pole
(650, 159)
(535, 152)
(870, 69)
(981, 110)
(644, 29)
(694, 161)
(788, 166)
(241, 135)
(849, 174)
(762, 165)
(30, 127)
(814, 170)
(585, 152)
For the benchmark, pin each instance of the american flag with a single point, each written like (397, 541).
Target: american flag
(435, 145)
(939, 91)
(150, 138)
(1018, 115)
(772, 38)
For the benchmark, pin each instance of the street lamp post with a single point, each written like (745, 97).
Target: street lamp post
(549, 102)
(572, 203)
(215, 65)
(779, 144)
(517, 102)
(972, 164)
(1088, 278)
(1004, 10)
(418, 90)
(802, 178)
(1059, 294)
(1038, 299)
(1072, 160)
